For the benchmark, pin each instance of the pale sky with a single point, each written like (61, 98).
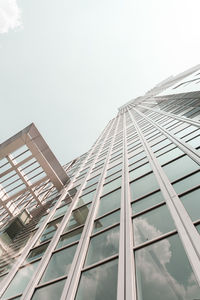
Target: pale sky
(67, 65)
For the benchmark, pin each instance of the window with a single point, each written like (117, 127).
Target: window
(109, 202)
(143, 186)
(99, 282)
(152, 224)
(103, 245)
(163, 272)
(51, 292)
(59, 263)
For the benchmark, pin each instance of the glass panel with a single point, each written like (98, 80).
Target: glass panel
(50, 230)
(86, 198)
(103, 245)
(92, 180)
(191, 202)
(37, 252)
(180, 167)
(20, 281)
(147, 202)
(151, 225)
(50, 292)
(187, 183)
(168, 156)
(109, 202)
(112, 185)
(194, 142)
(60, 211)
(78, 217)
(106, 221)
(70, 237)
(59, 263)
(111, 177)
(163, 272)
(143, 186)
(140, 171)
(99, 283)
(136, 157)
(114, 169)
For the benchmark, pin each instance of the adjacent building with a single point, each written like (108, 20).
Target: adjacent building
(122, 221)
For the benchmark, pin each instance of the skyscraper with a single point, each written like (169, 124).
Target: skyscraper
(122, 221)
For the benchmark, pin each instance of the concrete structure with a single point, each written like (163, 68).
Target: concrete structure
(122, 221)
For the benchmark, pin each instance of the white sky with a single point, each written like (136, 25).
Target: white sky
(67, 65)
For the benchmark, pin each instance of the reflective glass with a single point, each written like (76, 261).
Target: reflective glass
(137, 157)
(114, 169)
(92, 180)
(187, 183)
(191, 202)
(151, 225)
(86, 198)
(99, 283)
(140, 171)
(59, 263)
(146, 202)
(70, 237)
(20, 281)
(111, 177)
(180, 167)
(50, 230)
(109, 202)
(51, 292)
(143, 186)
(78, 217)
(194, 142)
(103, 245)
(163, 272)
(168, 156)
(60, 211)
(37, 252)
(112, 185)
(106, 221)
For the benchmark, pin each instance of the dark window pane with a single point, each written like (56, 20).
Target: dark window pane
(163, 272)
(99, 283)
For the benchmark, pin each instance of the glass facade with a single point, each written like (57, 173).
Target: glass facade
(126, 225)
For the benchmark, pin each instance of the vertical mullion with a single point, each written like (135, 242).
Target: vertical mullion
(171, 115)
(190, 151)
(187, 232)
(27, 294)
(72, 281)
